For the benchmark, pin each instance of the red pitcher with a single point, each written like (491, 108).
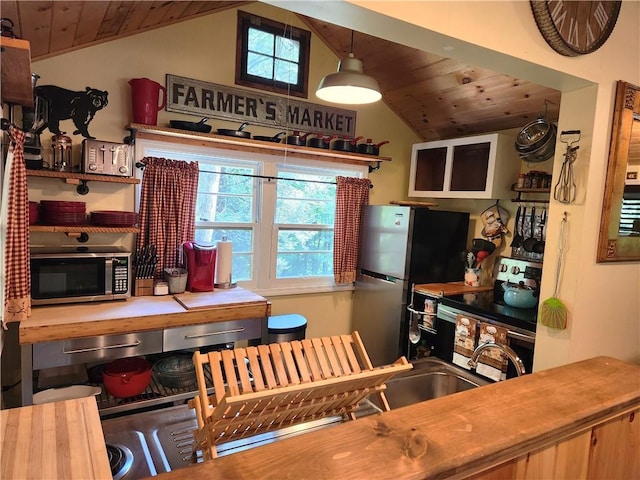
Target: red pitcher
(146, 100)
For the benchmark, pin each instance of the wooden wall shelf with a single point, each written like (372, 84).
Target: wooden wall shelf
(151, 132)
(81, 228)
(75, 178)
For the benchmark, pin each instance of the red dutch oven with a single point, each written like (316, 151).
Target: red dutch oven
(127, 377)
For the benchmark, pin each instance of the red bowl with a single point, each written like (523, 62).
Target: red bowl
(127, 377)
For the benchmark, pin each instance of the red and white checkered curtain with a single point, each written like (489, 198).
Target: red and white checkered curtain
(14, 216)
(351, 195)
(167, 207)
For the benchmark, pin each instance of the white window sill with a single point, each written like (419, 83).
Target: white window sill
(302, 290)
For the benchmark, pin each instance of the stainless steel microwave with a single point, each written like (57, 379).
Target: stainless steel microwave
(79, 274)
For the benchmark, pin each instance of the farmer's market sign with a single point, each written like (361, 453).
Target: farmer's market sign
(194, 97)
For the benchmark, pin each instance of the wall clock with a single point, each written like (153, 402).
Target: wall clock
(575, 28)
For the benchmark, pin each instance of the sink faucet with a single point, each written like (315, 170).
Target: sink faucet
(513, 356)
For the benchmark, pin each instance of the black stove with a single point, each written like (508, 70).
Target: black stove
(485, 304)
(490, 305)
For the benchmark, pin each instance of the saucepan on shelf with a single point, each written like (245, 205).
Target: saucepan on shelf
(298, 139)
(370, 148)
(346, 144)
(321, 141)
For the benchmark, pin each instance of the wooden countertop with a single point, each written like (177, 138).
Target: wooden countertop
(138, 314)
(444, 289)
(451, 436)
(53, 440)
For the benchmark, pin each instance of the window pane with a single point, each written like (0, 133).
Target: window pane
(242, 238)
(304, 202)
(260, 65)
(286, 72)
(224, 198)
(304, 253)
(288, 49)
(261, 41)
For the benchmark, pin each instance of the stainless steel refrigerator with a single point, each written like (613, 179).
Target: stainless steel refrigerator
(401, 246)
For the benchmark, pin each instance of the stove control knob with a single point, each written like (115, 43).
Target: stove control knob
(503, 267)
(515, 270)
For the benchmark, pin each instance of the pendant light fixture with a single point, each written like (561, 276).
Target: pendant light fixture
(349, 85)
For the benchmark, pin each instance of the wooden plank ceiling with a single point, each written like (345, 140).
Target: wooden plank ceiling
(437, 97)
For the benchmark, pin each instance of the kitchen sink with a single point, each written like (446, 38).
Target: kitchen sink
(430, 378)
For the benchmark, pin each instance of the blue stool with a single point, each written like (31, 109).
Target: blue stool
(284, 328)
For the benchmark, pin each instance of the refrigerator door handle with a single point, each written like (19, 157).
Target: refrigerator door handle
(379, 276)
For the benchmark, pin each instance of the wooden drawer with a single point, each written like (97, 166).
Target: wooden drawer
(95, 349)
(211, 334)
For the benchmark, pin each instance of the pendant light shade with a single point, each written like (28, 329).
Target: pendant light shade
(349, 85)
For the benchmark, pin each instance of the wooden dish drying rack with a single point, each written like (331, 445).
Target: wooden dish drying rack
(268, 387)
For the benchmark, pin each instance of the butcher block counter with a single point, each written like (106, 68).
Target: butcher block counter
(445, 289)
(576, 421)
(55, 440)
(139, 314)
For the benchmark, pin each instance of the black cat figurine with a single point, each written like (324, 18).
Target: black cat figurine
(63, 104)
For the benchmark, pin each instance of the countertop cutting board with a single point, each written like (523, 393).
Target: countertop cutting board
(445, 289)
(218, 298)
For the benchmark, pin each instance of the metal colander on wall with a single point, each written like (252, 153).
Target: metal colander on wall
(536, 142)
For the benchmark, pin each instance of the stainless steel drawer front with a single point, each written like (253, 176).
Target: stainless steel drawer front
(211, 334)
(95, 349)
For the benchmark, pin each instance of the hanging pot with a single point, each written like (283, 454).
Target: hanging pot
(370, 148)
(346, 144)
(297, 139)
(275, 139)
(320, 141)
(240, 133)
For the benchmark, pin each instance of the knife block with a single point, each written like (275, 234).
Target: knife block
(142, 287)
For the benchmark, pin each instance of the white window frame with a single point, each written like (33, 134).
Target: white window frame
(265, 232)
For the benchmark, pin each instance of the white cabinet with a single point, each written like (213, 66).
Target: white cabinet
(483, 166)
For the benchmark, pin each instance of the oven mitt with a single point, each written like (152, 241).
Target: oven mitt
(494, 220)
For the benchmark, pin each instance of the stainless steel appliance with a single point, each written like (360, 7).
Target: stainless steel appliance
(106, 158)
(79, 274)
(401, 246)
(488, 306)
(149, 443)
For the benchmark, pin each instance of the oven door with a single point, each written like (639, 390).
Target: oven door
(69, 279)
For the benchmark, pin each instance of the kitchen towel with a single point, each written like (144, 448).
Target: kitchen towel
(464, 341)
(492, 362)
(223, 262)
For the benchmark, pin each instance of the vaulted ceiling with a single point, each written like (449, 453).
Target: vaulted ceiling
(437, 97)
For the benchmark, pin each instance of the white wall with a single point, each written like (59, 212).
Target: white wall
(603, 300)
